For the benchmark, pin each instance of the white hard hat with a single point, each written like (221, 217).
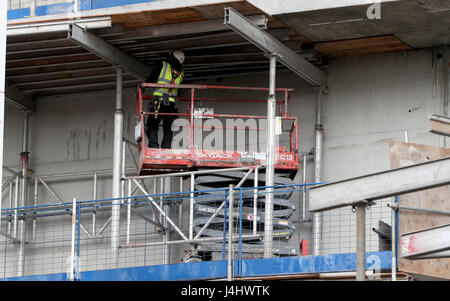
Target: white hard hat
(179, 55)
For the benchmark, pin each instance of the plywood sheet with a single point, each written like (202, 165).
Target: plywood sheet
(152, 18)
(182, 15)
(404, 154)
(363, 46)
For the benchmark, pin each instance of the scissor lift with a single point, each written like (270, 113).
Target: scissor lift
(155, 160)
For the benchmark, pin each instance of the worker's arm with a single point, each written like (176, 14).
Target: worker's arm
(153, 77)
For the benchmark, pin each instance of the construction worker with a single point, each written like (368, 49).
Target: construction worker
(163, 100)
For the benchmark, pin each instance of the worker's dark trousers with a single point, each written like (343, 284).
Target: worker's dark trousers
(153, 126)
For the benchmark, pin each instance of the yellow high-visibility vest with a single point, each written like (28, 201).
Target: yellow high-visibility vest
(166, 77)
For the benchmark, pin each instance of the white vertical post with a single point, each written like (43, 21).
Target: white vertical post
(180, 209)
(94, 213)
(155, 187)
(122, 172)
(161, 191)
(166, 209)
(255, 202)
(33, 8)
(270, 160)
(72, 246)
(16, 204)
(10, 204)
(393, 245)
(118, 135)
(304, 188)
(129, 212)
(35, 204)
(191, 208)
(76, 6)
(23, 194)
(230, 232)
(3, 14)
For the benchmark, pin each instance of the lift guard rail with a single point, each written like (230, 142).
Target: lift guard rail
(194, 155)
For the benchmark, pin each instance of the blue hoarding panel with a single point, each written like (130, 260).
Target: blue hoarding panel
(54, 9)
(218, 269)
(180, 271)
(68, 7)
(18, 13)
(96, 4)
(49, 277)
(313, 264)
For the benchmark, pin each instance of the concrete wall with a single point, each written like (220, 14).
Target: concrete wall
(372, 100)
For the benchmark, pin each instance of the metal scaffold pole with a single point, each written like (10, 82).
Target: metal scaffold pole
(167, 211)
(72, 245)
(270, 160)
(230, 233)
(117, 157)
(317, 217)
(23, 192)
(361, 242)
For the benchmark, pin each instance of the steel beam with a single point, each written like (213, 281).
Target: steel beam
(380, 185)
(439, 124)
(108, 52)
(428, 243)
(168, 30)
(270, 45)
(19, 99)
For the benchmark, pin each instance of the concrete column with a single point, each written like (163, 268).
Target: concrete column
(270, 160)
(117, 158)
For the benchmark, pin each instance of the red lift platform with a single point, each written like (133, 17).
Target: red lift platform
(153, 161)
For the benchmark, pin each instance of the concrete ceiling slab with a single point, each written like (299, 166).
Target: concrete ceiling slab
(418, 23)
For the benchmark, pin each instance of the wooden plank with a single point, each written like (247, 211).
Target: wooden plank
(151, 18)
(363, 46)
(404, 154)
(440, 125)
(183, 15)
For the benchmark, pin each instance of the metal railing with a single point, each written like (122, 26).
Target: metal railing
(156, 230)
